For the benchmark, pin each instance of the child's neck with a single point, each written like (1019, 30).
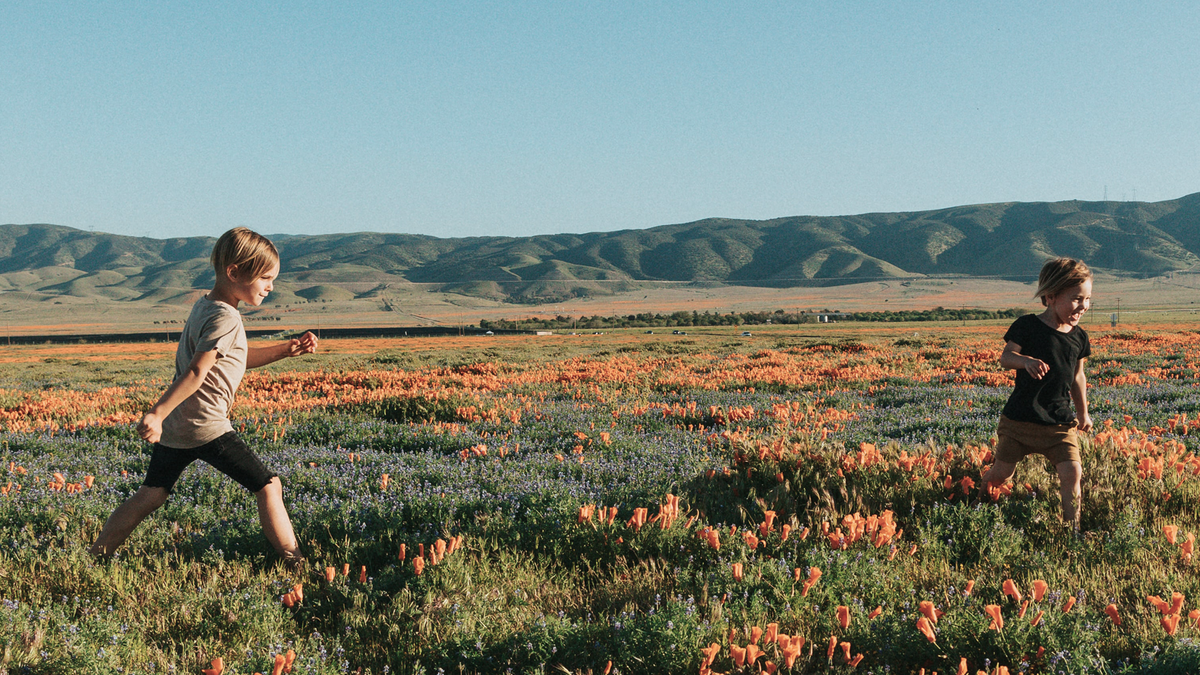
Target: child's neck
(1048, 317)
(222, 293)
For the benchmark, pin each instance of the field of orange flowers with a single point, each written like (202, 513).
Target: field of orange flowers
(601, 503)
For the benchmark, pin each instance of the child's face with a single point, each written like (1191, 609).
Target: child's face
(254, 291)
(1068, 306)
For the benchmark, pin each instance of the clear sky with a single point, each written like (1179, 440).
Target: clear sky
(478, 118)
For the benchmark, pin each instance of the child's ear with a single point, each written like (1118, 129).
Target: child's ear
(231, 273)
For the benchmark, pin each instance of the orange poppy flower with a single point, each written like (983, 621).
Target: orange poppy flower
(843, 616)
(814, 574)
(926, 629)
(875, 612)
(1069, 604)
(710, 654)
(1111, 611)
(1170, 531)
(738, 654)
(218, 667)
(418, 565)
(1039, 590)
(1170, 623)
(962, 666)
(752, 653)
(997, 619)
(771, 634)
(791, 650)
(1009, 587)
(930, 612)
(1176, 603)
(280, 662)
(970, 587)
(1159, 603)
(1037, 619)
(845, 646)
(755, 634)
(330, 574)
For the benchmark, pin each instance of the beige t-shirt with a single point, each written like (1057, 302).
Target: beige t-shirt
(204, 416)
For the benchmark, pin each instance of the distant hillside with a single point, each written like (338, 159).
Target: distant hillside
(1011, 239)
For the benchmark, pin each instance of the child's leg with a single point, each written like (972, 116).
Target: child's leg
(1000, 472)
(126, 518)
(276, 525)
(231, 456)
(1070, 477)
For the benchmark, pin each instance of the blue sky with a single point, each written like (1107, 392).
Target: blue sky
(477, 118)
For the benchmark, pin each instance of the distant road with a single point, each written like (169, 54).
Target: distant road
(168, 336)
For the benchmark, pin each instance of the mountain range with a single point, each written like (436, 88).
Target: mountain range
(1011, 240)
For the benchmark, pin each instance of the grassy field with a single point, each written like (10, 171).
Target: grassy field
(1156, 300)
(645, 503)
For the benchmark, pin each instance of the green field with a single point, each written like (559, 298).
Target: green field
(503, 440)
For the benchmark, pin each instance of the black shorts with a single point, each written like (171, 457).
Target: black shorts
(227, 454)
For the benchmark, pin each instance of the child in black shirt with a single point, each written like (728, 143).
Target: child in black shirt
(1048, 351)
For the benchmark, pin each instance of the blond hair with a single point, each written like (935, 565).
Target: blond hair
(1059, 274)
(252, 253)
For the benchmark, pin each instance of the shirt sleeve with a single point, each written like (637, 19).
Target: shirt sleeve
(1017, 333)
(219, 333)
(1085, 349)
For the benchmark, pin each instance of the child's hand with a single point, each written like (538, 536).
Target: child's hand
(1036, 367)
(305, 344)
(150, 428)
(1084, 423)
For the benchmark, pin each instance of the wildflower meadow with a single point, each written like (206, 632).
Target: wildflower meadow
(624, 503)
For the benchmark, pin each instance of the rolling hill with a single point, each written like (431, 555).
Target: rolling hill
(1008, 240)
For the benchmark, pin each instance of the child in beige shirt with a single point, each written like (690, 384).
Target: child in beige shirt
(191, 419)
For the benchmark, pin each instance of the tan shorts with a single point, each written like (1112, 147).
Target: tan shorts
(1016, 440)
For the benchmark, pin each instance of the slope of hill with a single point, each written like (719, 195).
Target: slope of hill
(1011, 239)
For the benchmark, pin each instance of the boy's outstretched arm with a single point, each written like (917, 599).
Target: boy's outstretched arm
(150, 428)
(256, 357)
(1079, 397)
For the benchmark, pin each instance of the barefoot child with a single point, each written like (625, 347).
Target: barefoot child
(1048, 351)
(191, 420)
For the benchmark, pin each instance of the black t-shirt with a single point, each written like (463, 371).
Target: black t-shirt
(1048, 400)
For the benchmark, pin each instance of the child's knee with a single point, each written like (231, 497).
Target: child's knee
(150, 498)
(1069, 473)
(273, 484)
(273, 489)
(1000, 472)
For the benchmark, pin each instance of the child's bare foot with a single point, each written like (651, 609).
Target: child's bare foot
(295, 562)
